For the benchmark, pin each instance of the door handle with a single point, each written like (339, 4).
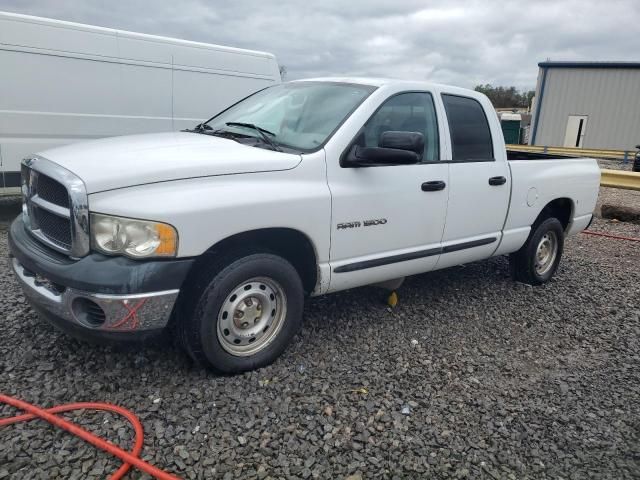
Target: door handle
(497, 181)
(433, 186)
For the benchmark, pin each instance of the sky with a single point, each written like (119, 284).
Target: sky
(457, 42)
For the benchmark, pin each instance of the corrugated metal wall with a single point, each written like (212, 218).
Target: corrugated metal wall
(609, 96)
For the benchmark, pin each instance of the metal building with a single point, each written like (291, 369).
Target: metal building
(587, 105)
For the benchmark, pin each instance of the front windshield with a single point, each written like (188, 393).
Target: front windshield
(299, 115)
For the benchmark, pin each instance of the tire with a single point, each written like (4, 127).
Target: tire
(241, 312)
(636, 164)
(537, 261)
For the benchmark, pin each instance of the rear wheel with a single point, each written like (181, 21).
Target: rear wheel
(242, 313)
(537, 261)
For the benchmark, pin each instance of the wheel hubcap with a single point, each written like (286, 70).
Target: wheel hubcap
(248, 313)
(546, 253)
(251, 316)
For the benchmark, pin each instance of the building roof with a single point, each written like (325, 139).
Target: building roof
(603, 65)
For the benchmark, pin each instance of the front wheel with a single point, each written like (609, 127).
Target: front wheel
(537, 261)
(244, 314)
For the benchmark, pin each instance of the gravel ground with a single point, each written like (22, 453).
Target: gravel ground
(613, 164)
(471, 376)
(615, 196)
(618, 197)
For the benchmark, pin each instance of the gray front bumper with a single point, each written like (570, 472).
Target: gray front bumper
(122, 313)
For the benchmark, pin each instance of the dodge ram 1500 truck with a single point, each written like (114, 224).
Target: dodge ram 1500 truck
(304, 188)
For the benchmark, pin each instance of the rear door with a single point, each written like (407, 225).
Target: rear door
(479, 182)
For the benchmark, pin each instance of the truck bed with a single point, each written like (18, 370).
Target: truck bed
(514, 154)
(535, 184)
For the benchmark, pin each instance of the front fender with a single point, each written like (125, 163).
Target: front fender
(208, 210)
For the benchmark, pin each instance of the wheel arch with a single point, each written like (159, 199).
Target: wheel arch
(560, 208)
(291, 244)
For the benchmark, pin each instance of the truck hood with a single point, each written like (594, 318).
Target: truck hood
(119, 162)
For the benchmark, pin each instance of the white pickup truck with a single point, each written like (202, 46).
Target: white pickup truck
(304, 188)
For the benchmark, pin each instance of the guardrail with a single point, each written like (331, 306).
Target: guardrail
(624, 155)
(620, 179)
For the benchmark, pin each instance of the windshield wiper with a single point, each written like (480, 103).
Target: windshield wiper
(262, 131)
(200, 128)
(207, 130)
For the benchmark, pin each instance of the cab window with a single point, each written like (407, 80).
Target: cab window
(406, 112)
(469, 129)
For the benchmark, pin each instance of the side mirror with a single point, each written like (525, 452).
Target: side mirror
(411, 141)
(396, 148)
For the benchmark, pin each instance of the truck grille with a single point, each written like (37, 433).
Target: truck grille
(52, 191)
(55, 228)
(55, 206)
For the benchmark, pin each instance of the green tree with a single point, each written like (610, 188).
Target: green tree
(506, 97)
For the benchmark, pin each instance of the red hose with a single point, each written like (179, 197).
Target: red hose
(129, 459)
(608, 235)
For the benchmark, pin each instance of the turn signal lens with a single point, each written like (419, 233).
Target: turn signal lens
(168, 246)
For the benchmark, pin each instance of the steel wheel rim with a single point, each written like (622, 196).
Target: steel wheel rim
(251, 316)
(546, 253)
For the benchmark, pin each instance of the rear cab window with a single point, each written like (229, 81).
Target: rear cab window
(469, 129)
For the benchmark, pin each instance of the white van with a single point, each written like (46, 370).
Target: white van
(64, 82)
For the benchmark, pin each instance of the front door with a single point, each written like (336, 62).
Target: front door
(387, 221)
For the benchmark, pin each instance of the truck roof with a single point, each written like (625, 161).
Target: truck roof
(384, 82)
(373, 81)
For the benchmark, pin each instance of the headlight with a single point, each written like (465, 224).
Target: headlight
(133, 238)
